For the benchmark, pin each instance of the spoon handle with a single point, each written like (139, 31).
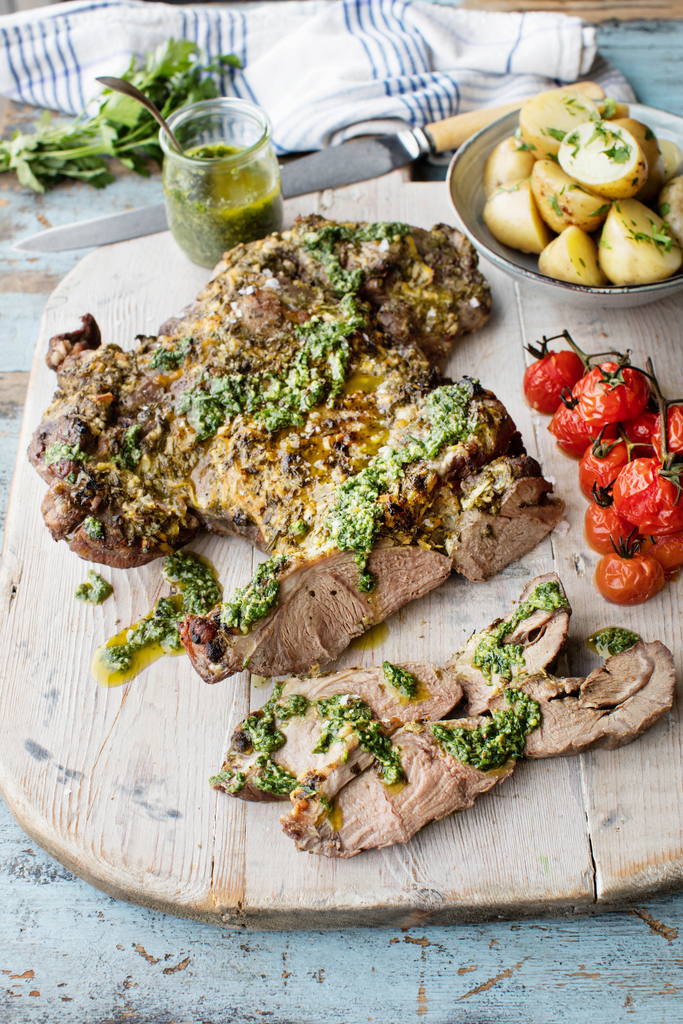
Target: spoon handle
(121, 85)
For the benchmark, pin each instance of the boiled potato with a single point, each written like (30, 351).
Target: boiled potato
(672, 157)
(635, 246)
(508, 162)
(546, 118)
(511, 215)
(562, 202)
(647, 141)
(572, 256)
(671, 207)
(605, 159)
(609, 108)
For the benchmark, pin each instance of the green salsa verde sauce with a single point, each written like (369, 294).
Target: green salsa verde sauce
(219, 205)
(497, 740)
(337, 714)
(612, 640)
(399, 678)
(507, 660)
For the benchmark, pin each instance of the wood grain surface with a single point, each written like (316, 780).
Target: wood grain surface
(591, 10)
(113, 782)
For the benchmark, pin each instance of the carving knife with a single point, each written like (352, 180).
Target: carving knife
(356, 160)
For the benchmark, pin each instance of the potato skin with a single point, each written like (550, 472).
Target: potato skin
(507, 163)
(583, 155)
(625, 258)
(555, 191)
(647, 141)
(672, 158)
(573, 257)
(511, 215)
(558, 110)
(670, 206)
(620, 110)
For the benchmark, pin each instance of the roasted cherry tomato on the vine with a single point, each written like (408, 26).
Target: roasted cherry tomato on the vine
(609, 394)
(603, 526)
(647, 499)
(668, 551)
(601, 470)
(546, 378)
(674, 420)
(639, 430)
(572, 433)
(629, 580)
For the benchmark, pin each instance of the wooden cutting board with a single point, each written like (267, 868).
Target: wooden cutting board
(113, 782)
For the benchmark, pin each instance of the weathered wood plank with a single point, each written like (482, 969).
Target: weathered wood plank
(140, 819)
(634, 798)
(591, 10)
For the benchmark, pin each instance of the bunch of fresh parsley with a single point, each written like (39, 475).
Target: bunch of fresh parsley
(172, 76)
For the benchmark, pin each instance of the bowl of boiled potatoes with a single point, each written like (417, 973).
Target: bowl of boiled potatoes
(577, 195)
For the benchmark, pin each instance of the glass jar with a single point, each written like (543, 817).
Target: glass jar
(225, 188)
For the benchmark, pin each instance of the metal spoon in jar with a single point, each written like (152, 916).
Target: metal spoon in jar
(121, 85)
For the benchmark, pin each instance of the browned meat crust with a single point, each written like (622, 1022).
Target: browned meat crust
(85, 339)
(141, 449)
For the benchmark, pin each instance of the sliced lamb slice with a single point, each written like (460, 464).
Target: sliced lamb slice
(507, 512)
(242, 774)
(542, 634)
(616, 703)
(367, 814)
(437, 693)
(319, 610)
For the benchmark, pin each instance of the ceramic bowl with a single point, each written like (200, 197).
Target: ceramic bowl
(466, 191)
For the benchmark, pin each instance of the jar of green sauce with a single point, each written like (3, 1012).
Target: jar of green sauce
(225, 188)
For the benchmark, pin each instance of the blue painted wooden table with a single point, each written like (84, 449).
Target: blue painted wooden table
(70, 954)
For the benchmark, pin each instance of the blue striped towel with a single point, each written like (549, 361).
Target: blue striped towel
(322, 69)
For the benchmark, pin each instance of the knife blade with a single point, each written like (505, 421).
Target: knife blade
(357, 160)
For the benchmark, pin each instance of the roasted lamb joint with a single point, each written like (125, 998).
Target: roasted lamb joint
(298, 404)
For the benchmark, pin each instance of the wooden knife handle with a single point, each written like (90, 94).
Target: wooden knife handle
(453, 131)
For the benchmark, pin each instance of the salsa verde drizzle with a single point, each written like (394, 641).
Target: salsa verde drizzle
(317, 374)
(254, 600)
(497, 740)
(341, 715)
(356, 518)
(95, 591)
(320, 245)
(506, 660)
(318, 370)
(199, 591)
(402, 680)
(612, 640)
(343, 710)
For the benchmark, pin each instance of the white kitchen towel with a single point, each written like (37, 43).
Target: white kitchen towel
(322, 69)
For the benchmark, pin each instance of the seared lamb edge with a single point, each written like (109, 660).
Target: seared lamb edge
(612, 707)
